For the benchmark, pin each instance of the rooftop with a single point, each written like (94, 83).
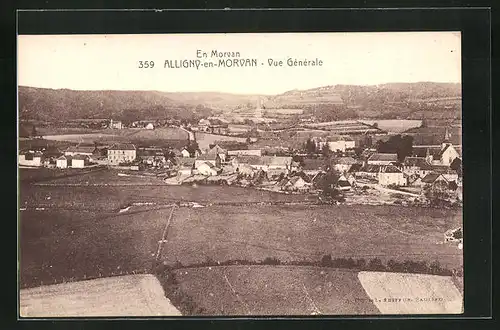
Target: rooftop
(122, 146)
(265, 160)
(390, 169)
(82, 149)
(432, 177)
(383, 157)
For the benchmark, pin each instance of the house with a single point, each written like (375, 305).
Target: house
(368, 171)
(439, 155)
(451, 177)
(435, 180)
(79, 161)
(207, 168)
(185, 166)
(417, 166)
(219, 151)
(382, 159)
(203, 124)
(245, 152)
(339, 144)
(312, 166)
(30, 158)
(343, 164)
(185, 153)
(245, 169)
(121, 153)
(115, 124)
(83, 150)
(446, 155)
(152, 156)
(297, 183)
(391, 175)
(150, 126)
(343, 184)
(212, 158)
(415, 181)
(62, 162)
(265, 163)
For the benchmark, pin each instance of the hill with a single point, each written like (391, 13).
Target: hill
(385, 101)
(64, 104)
(388, 101)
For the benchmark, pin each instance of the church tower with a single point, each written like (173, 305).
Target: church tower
(447, 139)
(258, 109)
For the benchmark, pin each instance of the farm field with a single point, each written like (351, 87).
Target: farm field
(106, 190)
(205, 139)
(394, 125)
(62, 245)
(291, 233)
(129, 295)
(117, 135)
(305, 290)
(421, 294)
(82, 138)
(274, 290)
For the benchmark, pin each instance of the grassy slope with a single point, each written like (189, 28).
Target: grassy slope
(300, 232)
(278, 290)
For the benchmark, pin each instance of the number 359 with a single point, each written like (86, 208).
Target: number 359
(146, 64)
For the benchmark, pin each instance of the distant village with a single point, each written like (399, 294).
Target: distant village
(359, 173)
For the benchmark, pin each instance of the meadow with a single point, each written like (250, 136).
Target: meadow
(308, 290)
(64, 245)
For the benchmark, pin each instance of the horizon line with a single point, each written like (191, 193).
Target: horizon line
(235, 93)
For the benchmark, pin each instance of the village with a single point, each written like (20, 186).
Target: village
(338, 168)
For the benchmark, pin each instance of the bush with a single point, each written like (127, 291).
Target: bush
(361, 263)
(271, 261)
(376, 265)
(326, 261)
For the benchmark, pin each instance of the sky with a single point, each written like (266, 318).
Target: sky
(111, 62)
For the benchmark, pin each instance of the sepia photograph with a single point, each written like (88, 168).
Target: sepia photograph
(240, 174)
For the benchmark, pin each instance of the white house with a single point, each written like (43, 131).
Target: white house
(150, 126)
(446, 155)
(115, 124)
(30, 158)
(62, 162)
(339, 144)
(121, 153)
(212, 158)
(185, 153)
(79, 161)
(391, 175)
(207, 168)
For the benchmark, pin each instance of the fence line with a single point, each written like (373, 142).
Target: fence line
(164, 235)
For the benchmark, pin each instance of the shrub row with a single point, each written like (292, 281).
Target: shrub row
(359, 264)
